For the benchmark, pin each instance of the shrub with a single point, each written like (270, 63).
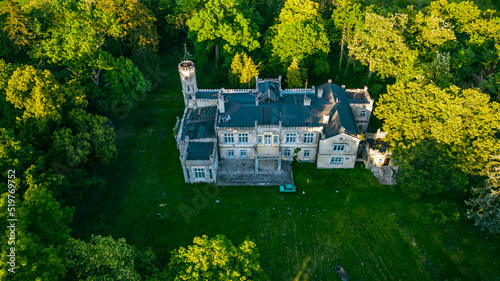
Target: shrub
(443, 213)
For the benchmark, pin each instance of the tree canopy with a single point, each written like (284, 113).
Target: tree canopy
(102, 258)
(244, 69)
(485, 206)
(225, 23)
(442, 129)
(299, 32)
(215, 259)
(41, 231)
(381, 46)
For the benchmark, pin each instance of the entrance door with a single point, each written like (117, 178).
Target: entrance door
(267, 139)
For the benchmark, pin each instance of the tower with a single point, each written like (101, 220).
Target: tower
(188, 79)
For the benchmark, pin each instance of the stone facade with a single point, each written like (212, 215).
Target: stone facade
(321, 125)
(377, 157)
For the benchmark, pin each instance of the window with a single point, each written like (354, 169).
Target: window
(229, 138)
(287, 153)
(360, 127)
(230, 153)
(243, 154)
(275, 140)
(307, 154)
(362, 114)
(308, 137)
(260, 139)
(243, 137)
(338, 147)
(188, 88)
(210, 173)
(291, 137)
(199, 174)
(267, 139)
(336, 161)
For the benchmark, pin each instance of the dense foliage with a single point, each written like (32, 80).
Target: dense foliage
(439, 135)
(485, 207)
(215, 259)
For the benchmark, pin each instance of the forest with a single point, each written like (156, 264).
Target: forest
(71, 71)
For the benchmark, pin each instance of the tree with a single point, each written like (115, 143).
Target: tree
(348, 19)
(85, 137)
(299, 32)
(215, 259)
(477, 53)
(428, 33)
(295, 75)
(138, 25)
(124, 81)
(17, 25)
(229, 23)
(8, 113)
(492, 85)
(102, 258)
(381, 47)
(77, 37)
(439, 71)
(485, 206)
(243, 68)
(41, 231)
(433, 130)
(39, 95)
(15, 154)
(459, 14)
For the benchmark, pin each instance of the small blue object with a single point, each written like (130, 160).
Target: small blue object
(288, 188)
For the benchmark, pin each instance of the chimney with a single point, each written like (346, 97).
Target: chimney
(307, 101)
(257, 100)
(220, 103)
(343, 86)
(320, 92)
(366, 88)
(325, 118)
(329, 80)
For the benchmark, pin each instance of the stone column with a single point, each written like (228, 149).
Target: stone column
(279, 161)
(256, 163)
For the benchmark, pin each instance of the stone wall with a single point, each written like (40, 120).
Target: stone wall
(326, 153)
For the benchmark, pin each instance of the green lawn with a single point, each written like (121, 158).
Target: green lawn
(370, 230)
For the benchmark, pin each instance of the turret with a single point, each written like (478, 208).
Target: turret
(188, 79)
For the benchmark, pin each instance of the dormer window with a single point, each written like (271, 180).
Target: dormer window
(362, 113)
(325, 118)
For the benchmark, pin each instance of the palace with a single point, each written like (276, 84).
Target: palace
(267, 127)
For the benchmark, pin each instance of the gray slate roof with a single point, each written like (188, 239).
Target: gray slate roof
(291, 111)
(204, 94)
(199, 150)
(199, 123)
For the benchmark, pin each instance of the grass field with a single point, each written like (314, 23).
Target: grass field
(370, 230)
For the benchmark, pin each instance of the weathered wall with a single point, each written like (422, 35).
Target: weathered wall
(326, 152)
